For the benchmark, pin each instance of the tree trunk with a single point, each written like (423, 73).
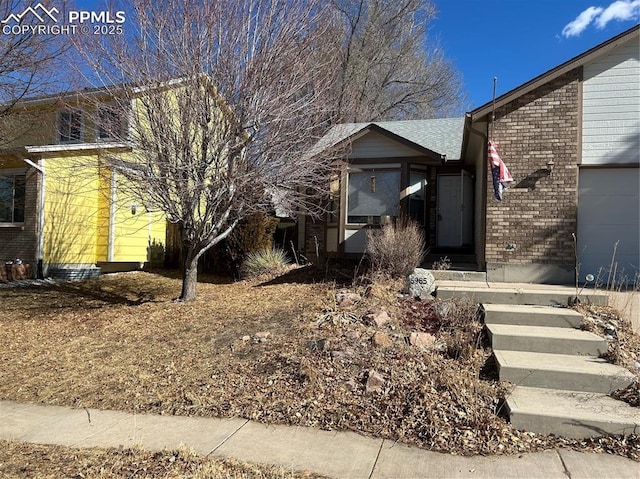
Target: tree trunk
(189, 274)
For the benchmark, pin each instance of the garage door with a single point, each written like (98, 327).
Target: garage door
(608, 213)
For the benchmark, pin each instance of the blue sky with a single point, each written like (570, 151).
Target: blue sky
(514, 40)
(517, 40)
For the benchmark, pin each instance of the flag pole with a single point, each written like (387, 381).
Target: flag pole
(493, 111)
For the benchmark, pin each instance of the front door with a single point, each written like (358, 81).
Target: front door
(455, 214)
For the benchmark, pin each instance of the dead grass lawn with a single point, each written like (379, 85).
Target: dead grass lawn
(121, 343)
(18, 460)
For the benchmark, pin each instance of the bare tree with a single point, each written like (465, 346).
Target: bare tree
(389, 68)
(223, 101)
(27, 61)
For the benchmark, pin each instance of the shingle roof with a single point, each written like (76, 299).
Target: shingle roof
(441, 135)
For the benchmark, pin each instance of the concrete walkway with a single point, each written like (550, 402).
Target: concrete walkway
(335, 454)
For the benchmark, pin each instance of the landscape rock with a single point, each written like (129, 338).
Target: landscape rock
(352, 336)
(261, 336)
(422, 340)
(346, 298)
(421, 284)
(318, 344)
(351, 384)
(379, 318)
(375, 381)
(382, 339)
(610, 330)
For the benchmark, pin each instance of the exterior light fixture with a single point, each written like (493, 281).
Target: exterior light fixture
(373, 184)
(550, 165)
(134, 209)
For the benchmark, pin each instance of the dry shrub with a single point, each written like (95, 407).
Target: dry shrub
(623, 346)
(396, 250)
(454, 321)
(265, 262)
(254, 233)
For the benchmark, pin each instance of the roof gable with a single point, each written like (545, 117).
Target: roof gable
(438, 138)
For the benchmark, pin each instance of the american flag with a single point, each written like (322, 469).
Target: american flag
(501, 177)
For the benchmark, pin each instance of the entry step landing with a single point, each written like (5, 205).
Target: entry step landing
(458, 275)
(515, 294)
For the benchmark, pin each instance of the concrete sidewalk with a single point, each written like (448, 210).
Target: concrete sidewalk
(335, 454)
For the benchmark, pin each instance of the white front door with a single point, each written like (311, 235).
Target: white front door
(454, 227)
(449, 214)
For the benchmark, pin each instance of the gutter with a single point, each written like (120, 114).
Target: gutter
(40, 247)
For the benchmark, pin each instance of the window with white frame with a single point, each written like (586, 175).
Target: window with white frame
(12, 195)
(371, 195)
(69, 126)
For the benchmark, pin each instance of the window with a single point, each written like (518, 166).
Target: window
(418, 196)
(12, 193)
(372, 194)
(69, 126)
(112, 124)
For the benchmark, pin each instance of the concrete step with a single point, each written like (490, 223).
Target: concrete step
(479, 292)
(458, 275)
(527, 315)
(560, 371)
(539, 339)
(570, 413)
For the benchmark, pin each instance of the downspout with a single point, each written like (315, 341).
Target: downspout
(40, 246)
(112, 217)
(483, 185)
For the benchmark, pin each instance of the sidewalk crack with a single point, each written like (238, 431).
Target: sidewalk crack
(564, 465)
(227, 438)
(375, 463)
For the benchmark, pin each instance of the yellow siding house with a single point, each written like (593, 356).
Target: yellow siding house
(61, 209)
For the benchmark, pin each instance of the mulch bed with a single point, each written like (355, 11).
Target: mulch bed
(280, 350)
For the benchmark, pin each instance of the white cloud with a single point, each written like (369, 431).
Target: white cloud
(581, 22)
(620, 10)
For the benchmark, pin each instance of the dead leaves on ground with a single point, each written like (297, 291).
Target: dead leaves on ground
(277, 352)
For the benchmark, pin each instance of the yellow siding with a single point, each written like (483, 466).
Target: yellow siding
(72, 210)
(30, 126)
(104, 200)
(78, 195)
(134, 233)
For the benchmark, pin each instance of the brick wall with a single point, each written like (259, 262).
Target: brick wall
(21, 242)
(314, 231)
(538, 214)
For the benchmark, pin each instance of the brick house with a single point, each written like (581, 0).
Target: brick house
(570, 138)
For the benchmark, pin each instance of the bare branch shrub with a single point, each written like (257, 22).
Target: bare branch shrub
(396, 249)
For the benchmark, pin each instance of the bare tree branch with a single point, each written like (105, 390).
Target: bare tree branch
(389, 68)
(224, 100)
